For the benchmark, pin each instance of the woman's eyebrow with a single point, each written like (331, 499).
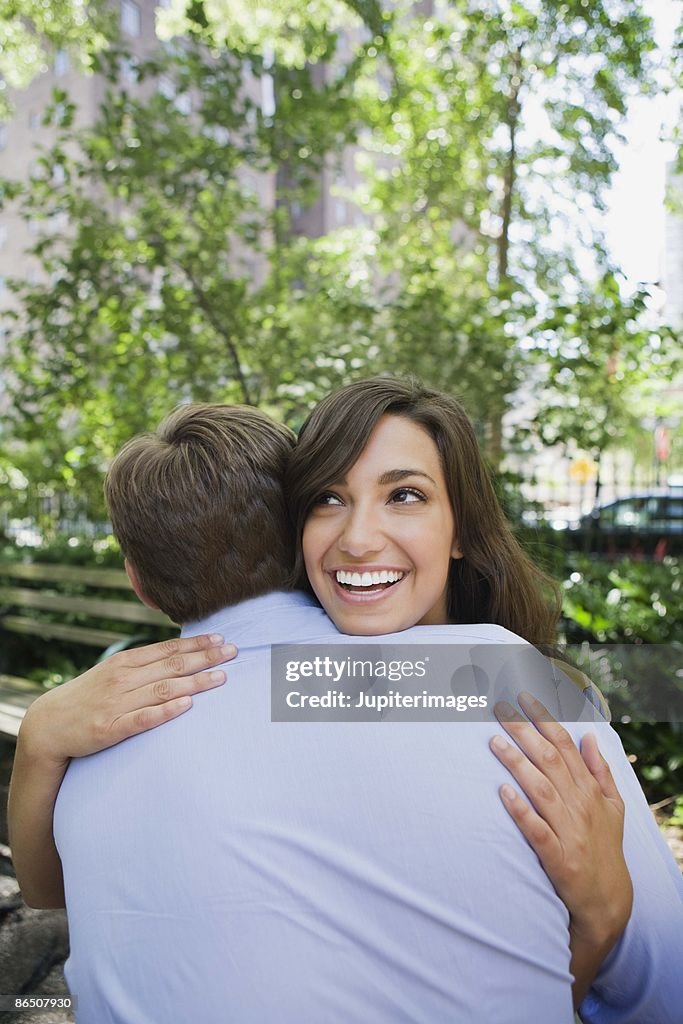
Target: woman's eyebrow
(394, 476)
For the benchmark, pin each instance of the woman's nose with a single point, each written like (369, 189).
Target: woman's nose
(361, 535)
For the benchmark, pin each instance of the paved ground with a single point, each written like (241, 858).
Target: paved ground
(33, 947)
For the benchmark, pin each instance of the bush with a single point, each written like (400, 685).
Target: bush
(622, 602)
(103, 552)
(632, 603)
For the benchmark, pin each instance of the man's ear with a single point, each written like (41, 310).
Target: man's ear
(135, 584)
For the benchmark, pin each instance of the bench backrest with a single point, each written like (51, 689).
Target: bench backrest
(50, 589)
(56, 602)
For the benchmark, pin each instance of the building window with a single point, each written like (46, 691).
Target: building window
(183, 103)
(219, 134)
(3, 136)
(61, 64)
(166, 87)
(59, 114)
(130, 18)
(59, 223)
(267, 95)
(128, 70)
(3, 235)
(33, 120)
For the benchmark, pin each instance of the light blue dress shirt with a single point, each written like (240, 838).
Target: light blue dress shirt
(224, 868)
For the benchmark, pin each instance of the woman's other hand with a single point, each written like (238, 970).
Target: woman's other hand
(129, 693)
(575, 825)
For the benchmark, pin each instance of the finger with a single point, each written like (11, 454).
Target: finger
(144, 719)
(549, 802)
(551, 730)
(177, 664)
(166, 690)
(599, 768)
(535, 830)
(139, 656)
(539, 750)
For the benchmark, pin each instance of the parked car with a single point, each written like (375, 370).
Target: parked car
(642, 524)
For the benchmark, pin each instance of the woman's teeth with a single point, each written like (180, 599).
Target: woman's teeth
(367, 579)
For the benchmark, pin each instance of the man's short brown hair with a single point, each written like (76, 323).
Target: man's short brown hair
(198, 507)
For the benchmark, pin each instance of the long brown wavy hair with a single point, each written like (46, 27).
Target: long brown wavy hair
(494, 581)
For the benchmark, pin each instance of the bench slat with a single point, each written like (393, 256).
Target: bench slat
(57, 631)
(126, 611)
(114, 579)
(16, 694)
(14, 683)
(10, 721)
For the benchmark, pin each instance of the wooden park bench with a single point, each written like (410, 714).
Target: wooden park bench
(55, 602)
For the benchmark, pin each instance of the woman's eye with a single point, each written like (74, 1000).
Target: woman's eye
(407, 496)
(327, 498)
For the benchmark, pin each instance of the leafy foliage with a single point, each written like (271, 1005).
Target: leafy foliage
(30, 33)
(635, 603)
(168, 231)
(623, 602)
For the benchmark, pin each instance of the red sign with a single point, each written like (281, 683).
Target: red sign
(662, 444)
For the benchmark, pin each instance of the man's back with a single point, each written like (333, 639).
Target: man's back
(227, 868)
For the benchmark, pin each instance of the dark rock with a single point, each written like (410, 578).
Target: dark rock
(33, 947)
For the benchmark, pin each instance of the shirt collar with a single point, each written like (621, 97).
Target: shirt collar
(277, 617)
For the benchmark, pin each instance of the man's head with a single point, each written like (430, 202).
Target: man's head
(199, 511)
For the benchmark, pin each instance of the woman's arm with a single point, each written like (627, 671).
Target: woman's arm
(127, 694)
(575, 826)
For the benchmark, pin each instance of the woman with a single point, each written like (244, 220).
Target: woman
(398, 525)
(395, 502)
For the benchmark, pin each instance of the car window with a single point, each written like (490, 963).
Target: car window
(630, 513)
(647, 513)
(667, 514)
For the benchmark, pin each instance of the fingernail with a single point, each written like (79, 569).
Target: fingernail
(229, 650)
(184, 702)
(215, 638)
(217, 677)
(498, 743)
(526, 698)
(507, 792)
(504, 710)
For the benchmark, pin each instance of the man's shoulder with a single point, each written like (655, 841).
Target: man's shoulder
(460, 633)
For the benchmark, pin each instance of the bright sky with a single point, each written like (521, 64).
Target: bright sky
(634, 224)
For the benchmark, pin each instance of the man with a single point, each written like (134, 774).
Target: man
(229, 868)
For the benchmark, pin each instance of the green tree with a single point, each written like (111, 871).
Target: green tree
(482, 132)
(175, 280)
(486, 157)
(605, 364)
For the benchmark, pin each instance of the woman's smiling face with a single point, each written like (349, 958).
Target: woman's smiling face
(377, 544)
